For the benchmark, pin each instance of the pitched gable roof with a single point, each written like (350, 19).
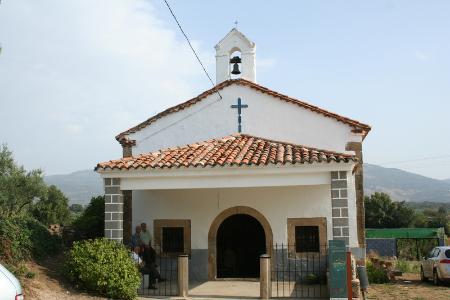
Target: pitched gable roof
(235, 150)
(236, 32)
(358, 127)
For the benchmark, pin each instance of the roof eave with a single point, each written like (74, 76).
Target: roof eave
(358, 126)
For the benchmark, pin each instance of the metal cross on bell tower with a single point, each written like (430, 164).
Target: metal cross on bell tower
(239, 106)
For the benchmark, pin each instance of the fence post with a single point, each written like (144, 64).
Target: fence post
(265, 281)
(349, 276)
(183, 275)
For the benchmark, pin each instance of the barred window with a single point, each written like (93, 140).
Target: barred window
(307, 239)
(173, 239)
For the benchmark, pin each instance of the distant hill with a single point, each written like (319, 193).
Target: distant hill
(80, 186)
(402, 185)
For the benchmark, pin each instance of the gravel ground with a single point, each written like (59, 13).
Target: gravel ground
(408, 287)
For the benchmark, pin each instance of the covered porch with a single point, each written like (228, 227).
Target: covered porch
(208, 212)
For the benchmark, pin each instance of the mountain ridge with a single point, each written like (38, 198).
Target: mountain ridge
(405, 186)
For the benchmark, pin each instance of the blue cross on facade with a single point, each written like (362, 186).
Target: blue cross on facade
(239, 106)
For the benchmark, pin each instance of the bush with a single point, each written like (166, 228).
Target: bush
(103, 266)
(376, 275)
(15, 242)
(43, 242)
(23, 238)
(406, 266)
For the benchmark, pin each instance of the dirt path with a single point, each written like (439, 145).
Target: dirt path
(407, 287)
(48, 284)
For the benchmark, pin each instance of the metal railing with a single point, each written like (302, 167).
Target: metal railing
(299, 274)
(161, 277)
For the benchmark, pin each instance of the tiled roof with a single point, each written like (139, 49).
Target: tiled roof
(234, 150)
(358, 127)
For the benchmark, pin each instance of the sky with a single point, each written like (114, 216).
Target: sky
(75, 73)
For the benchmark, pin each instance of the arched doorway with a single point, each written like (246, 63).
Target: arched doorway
(240, 243)
(214, 230)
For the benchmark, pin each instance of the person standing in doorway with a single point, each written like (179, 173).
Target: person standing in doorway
(136, 238)
(145, 237)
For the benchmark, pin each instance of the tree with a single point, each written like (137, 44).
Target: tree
(382, 212)
(91, 223)
(52, 209)
(18, 188)
(76, 208)
(438, 218)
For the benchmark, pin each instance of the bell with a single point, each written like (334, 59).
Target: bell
(235, 60)
(235, 69)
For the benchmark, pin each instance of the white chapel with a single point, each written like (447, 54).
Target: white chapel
(236, 170)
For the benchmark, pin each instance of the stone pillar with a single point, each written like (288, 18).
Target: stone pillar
(127, 216)
(339, 204)
(127, 151)
(265, 280)
(113, 209)
(183, 275)
(359, 180)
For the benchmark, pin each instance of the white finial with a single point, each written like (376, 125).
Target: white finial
(235, 24)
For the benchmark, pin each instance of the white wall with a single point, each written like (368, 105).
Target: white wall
(203, 205)
(266, 117)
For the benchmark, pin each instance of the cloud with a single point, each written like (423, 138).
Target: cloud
(265, 63)
(420, 55)
(75, 73)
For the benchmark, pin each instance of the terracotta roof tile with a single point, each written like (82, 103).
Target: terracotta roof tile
(358, 126)
(234, 150)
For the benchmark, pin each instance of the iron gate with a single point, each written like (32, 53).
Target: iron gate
(167, 267)
(299, 274)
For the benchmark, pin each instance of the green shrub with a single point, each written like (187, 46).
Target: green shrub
(103, 266)
(376, 275)
(23, 238)
(312, 278)
(15, 242)
(44, 243)
(406, 266)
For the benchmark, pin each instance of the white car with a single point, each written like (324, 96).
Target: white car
(10, 288)
(436, 265)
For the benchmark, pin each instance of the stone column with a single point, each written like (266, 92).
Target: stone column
(127, 200)
(127, 216)
(339, 204)
(265, 282)
(113, 209)
(359, 179)
(183, 275)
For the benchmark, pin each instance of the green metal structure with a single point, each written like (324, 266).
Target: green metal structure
(405, 233)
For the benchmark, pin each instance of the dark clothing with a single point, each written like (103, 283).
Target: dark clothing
(149, 258)
(135, 241)
(149, 255)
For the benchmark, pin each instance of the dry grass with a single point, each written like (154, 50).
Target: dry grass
(409, 287)
(48, 284)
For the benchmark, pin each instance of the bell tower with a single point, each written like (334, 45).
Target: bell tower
(235, 57)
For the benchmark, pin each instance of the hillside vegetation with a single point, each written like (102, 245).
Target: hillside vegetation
(405, 186)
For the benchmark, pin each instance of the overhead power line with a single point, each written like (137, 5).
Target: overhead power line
(190, 45)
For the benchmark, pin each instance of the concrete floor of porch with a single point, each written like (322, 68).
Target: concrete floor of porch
(229, 289)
